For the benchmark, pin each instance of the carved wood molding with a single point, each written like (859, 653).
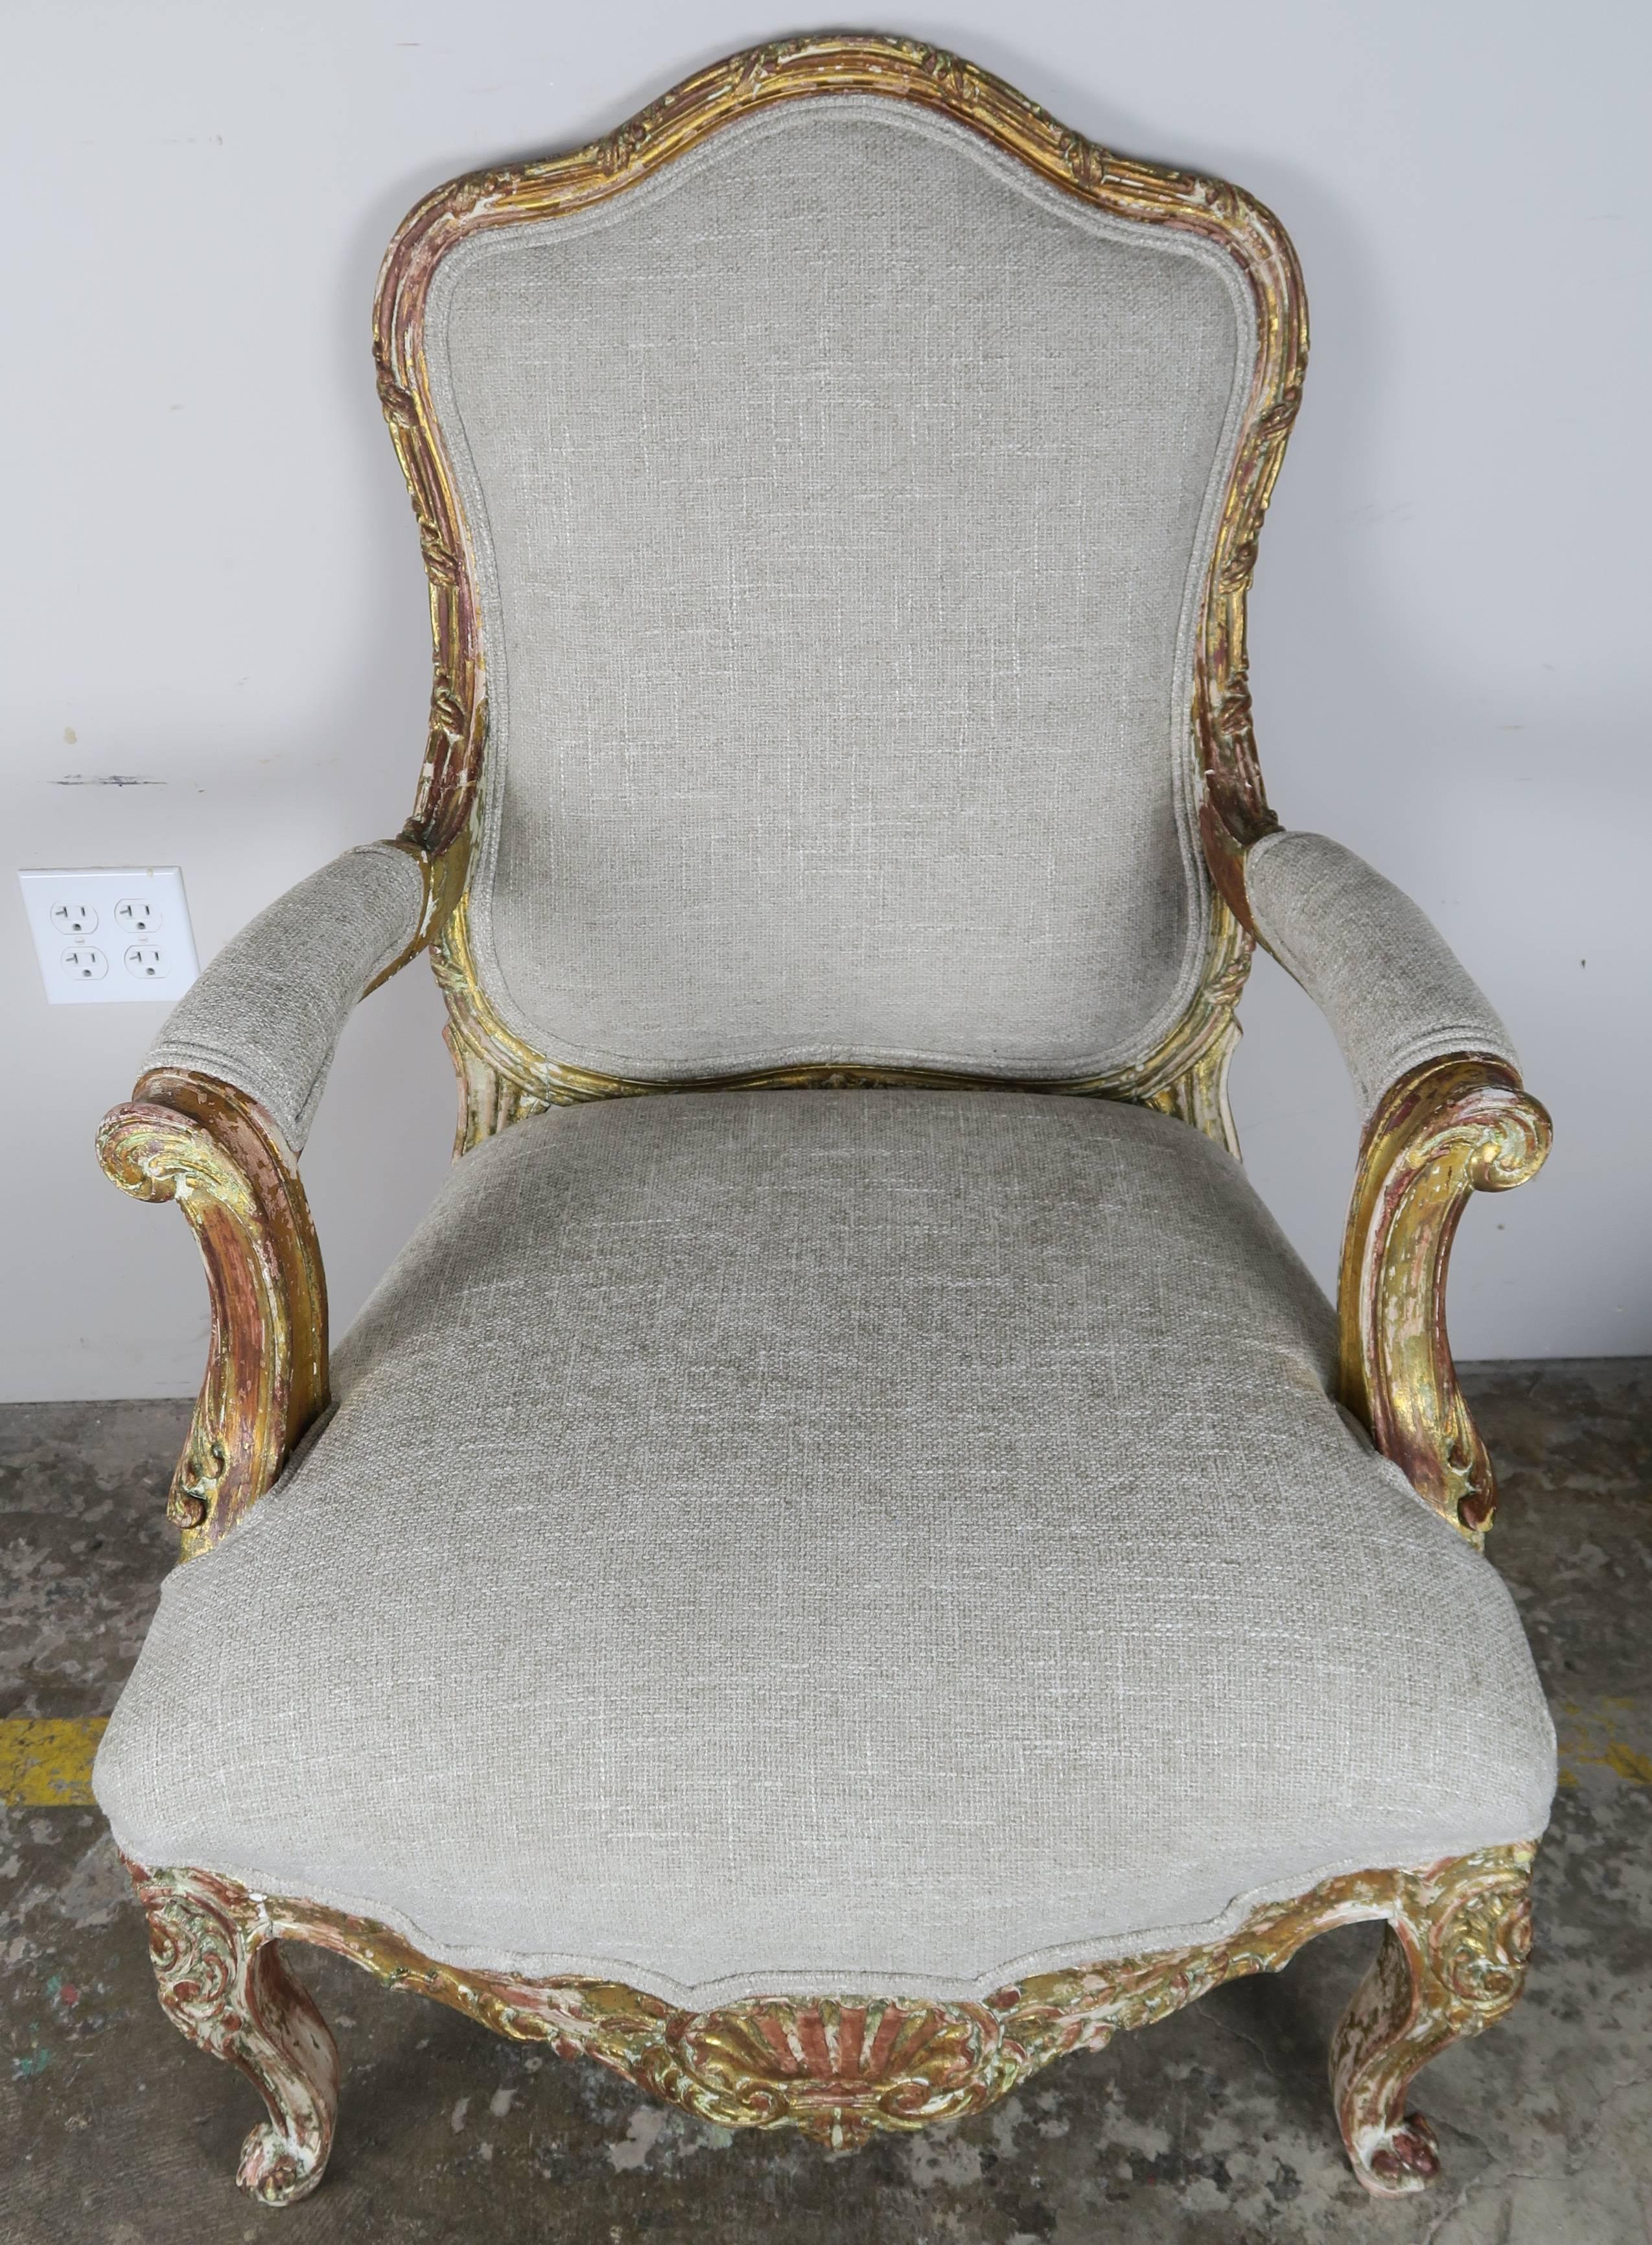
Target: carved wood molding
(231, 1995)
(443, 873)
(843, 2067)
(501, 1079)
(193, 1140)
(1453, 1960)
(1186, 1075)
(1449, 1127)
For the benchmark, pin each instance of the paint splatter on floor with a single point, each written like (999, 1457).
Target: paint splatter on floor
(46, 1763)
(1214, 2128)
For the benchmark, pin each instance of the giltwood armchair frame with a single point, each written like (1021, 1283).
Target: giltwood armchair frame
(1457, 1934)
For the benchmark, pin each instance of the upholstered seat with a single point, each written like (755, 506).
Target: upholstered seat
(820, 1540)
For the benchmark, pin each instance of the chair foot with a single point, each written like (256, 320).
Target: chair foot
(1453, 1958)
(222, 1983)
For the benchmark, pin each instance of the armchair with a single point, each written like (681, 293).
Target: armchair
(828, 1589)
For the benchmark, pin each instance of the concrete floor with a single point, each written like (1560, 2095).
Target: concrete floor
(1214, 2125)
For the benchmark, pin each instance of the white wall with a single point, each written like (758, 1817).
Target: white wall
(215, 584)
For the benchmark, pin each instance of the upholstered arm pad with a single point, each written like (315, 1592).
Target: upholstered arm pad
(267, 1013)
(1376, 966)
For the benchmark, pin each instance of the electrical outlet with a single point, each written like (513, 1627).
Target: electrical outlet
(112, 936)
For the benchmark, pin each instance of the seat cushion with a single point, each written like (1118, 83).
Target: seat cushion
(816, 1540)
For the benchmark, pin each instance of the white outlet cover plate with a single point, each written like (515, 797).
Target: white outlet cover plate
(111, 935)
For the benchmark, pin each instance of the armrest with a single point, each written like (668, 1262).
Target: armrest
(1377, 966)
(228, 1092)
(266, 1014)
(1447, 1116)
(216, 1153)
(1450, 1128)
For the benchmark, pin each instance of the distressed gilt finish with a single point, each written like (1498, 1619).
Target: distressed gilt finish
(188, 1138)
(443, 873)
(1452, 1961)
(1445, 1129)
(228, 1991)
(500, 1077)
(841, 2068)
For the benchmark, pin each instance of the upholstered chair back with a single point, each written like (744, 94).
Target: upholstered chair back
(841, 501)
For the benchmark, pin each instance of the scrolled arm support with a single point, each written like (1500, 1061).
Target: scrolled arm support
(192, 1139)
(1453, 1126)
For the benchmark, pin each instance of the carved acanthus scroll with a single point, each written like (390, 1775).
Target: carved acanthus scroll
(1453, 1959)
(1448, 1129)
(214, 1150)
(222, 1983)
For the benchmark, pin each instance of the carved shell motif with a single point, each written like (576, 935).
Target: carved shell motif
(836, 2069)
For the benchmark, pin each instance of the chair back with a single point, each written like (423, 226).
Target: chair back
(836, 499)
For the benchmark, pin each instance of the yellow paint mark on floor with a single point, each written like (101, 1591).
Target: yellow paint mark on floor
(1590, 1737)
(46, 1764)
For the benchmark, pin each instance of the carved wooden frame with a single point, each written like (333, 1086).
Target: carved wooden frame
(188, 1138)
(1449, 1127)
(839, 2066)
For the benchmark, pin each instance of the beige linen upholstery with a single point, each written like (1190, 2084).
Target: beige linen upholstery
(841, 500)
(1373, 962)
(831, 1540)
(267, 1013)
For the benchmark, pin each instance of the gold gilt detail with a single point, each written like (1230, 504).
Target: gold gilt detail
(502, 1078)
(1446, 1130)
(843, 2067)
(187, 1138)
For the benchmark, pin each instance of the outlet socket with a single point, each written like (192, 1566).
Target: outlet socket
(111, 935)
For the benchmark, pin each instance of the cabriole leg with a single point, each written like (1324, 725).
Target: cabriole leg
(222, 1983)
(1453, 1959)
